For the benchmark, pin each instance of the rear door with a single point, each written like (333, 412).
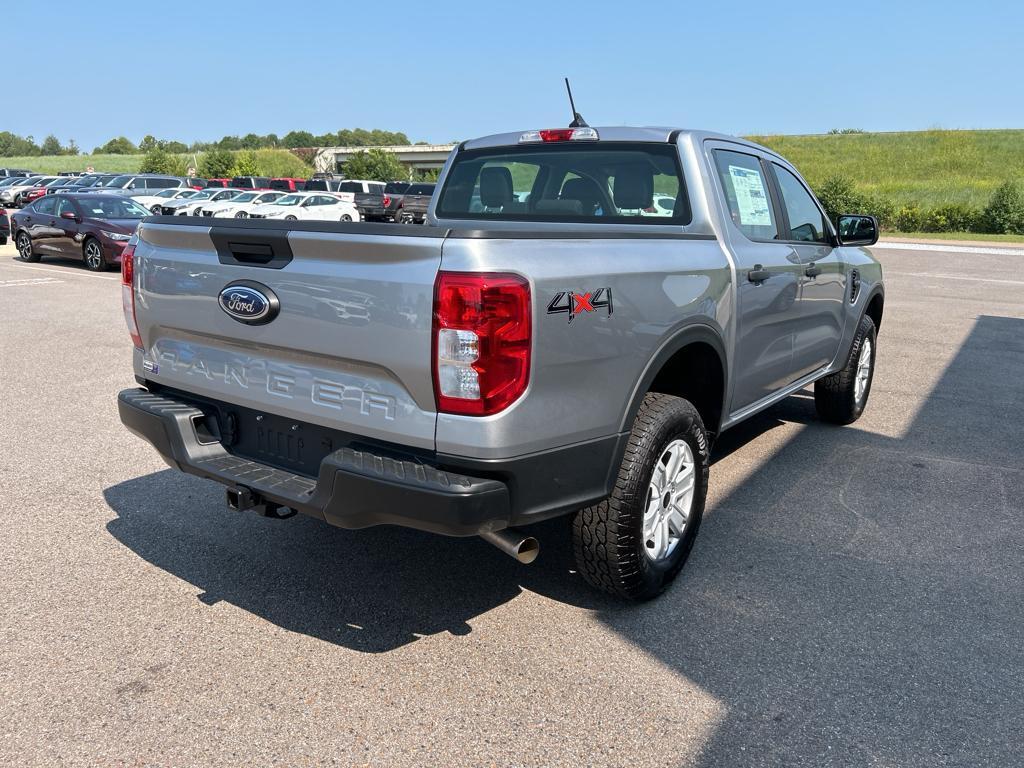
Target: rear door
(67, 242)
(768, 275)
(350, 348)
(823, 281)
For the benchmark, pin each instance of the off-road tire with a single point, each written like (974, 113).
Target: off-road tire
(835, 396)
(608, 540)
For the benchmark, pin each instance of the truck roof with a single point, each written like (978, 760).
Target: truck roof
(616, 133)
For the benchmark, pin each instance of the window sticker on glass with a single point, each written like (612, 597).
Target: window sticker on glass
(751, 197)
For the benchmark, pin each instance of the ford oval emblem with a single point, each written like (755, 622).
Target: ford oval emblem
(248, 302)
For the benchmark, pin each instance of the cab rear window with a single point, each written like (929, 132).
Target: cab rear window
(609, 183)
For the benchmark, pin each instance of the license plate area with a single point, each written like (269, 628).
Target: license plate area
(297, 446)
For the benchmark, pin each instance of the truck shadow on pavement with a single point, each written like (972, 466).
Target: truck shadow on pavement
(857, 598)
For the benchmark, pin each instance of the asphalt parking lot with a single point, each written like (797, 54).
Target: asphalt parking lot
(855, 597)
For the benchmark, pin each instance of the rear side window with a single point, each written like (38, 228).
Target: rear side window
(746, 193)
(161, 183)
(46, 205)
(806, 223)
(350, 186)
(598, 183)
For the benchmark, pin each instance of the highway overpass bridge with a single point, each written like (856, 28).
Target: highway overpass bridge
(415, 156)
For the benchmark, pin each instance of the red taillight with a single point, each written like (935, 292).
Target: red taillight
(387, 200)
(128, 293)
(481, 340)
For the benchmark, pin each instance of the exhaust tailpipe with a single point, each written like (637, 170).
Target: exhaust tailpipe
(514, 544)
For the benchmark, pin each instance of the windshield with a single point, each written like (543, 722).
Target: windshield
(167, 193)
(289, 200)
(11, 180)
(245, 197)
(420, 189)
(598, 183)
(226, 194)
(118, 181)
(112, 207)
(205, 194)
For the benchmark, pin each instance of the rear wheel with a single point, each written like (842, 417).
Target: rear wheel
(841, 397)
(24, 244)
(635, 542)
(92, 251)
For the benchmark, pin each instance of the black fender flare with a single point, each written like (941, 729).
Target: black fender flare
(877, 290)
(688, 334)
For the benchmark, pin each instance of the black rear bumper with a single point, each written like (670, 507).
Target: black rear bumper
(354, 488)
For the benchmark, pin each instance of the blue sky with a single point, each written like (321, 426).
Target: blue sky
(196, 71)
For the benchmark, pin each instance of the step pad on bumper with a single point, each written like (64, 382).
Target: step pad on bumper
(354, 488)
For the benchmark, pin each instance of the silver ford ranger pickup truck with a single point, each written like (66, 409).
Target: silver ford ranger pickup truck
(585, 310)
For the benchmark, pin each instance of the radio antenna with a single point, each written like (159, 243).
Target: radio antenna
(577, 118)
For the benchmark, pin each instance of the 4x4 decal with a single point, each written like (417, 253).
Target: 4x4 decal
(573, 304)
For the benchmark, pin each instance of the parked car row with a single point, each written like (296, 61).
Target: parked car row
(92, 216)
(373, 200)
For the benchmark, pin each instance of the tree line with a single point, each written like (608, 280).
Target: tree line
(12, 145)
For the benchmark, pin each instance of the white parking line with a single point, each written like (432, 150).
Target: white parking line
(940, 276)
(29, 281)
(889, 245)
(64, 273)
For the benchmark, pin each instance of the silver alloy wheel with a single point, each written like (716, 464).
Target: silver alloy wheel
(860, 382)
(93, 255)
(24, 246)
(669, 500)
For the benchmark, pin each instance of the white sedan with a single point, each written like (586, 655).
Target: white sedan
(161, 198)
(310, 206)
(239, 207)
(192, 206)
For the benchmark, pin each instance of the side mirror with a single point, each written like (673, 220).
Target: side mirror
(857, 230)
(71, 215)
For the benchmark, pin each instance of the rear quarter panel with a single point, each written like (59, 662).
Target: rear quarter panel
(584, 372)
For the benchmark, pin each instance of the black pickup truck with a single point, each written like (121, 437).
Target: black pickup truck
(415, 204)
(367, 197)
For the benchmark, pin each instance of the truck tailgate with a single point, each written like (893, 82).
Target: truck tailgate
(349, 349)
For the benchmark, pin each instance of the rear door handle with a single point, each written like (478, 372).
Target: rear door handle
(758, 274)
(812, 270)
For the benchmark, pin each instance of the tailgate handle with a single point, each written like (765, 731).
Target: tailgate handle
(252, 246)
(252, 253)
